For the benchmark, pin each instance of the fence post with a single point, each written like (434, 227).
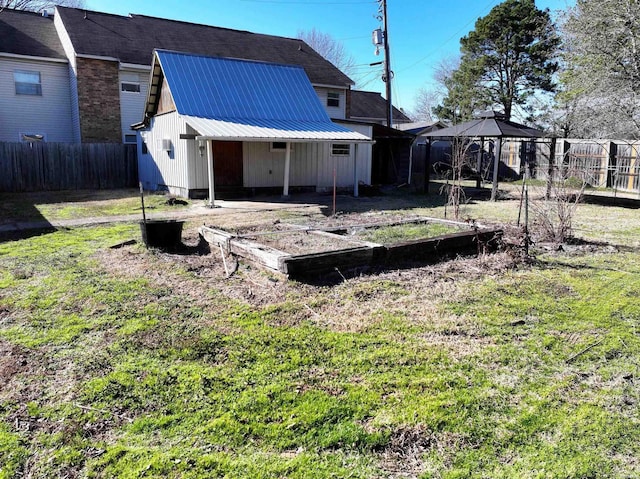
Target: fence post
(612, 164)
(552, 160)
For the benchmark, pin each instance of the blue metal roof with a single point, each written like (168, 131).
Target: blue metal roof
(230, 89)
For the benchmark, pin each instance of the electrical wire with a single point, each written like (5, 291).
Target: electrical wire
(454, 35)
(357, 2)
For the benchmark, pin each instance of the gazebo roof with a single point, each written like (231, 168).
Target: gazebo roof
(490, 125)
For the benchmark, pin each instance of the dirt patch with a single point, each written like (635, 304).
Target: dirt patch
(13, 360)
(294, 240)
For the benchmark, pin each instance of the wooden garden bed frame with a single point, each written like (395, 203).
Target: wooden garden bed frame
(355, 253)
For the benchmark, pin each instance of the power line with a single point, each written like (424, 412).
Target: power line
(454, 35)
(357, 2)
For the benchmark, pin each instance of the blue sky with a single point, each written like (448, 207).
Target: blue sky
(421, 32)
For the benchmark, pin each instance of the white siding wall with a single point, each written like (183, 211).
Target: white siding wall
(264, 168)
(333, 112)
(48, 114)
(159, 169)
(311, 165)
(72, 75)
(364, 151)
(198, 166)
(132, 103)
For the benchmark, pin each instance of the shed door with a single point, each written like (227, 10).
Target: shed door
(227, 161)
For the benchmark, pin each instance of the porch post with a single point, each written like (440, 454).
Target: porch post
(212, 194)
(356, 191)
(496, 165)
(287, 166)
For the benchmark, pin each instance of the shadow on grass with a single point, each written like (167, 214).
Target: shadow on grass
(584, 247)
(20, 217)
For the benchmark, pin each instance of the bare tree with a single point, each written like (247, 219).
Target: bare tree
(425, 101)
(428, 99)
(331, 49)
(601, 78)
(39, 5)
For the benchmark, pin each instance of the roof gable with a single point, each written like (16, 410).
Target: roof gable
(133, 39)
(29, 34)
(231, 89)
(223, 98)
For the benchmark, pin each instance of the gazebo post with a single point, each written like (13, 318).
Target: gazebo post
(479, 164)
(496, 165)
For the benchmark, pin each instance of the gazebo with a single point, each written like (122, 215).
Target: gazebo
(489, 124)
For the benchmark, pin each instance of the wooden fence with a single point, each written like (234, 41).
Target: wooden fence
(602, 163)
(67, 166)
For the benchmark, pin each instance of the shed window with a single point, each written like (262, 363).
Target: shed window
(340, 149)
(277, 146)
(333, 98)
(27, 83)
(130, 138)
(130, 87)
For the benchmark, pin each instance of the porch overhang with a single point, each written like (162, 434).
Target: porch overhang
(258, 130)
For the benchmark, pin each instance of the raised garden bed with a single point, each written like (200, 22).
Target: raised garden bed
(300, 251)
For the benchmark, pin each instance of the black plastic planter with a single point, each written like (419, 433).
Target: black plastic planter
(163, 234)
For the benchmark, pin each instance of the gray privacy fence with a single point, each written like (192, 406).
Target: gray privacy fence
(67, 166)
(603, 163)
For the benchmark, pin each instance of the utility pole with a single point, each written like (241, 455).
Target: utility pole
(381, 37)
(387, 64)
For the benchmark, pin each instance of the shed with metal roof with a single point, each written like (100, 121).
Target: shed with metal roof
(232, 125)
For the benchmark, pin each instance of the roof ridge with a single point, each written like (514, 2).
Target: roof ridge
(235, 59)
(173, 20)
(186, 22)
(25, 12)
(95, 12)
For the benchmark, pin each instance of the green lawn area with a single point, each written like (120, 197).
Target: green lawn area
(78, 204)
(133, 363)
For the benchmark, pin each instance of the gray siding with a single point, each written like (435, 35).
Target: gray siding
(333, 112)
(132, 103)
(48, 114)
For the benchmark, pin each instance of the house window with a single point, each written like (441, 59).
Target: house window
(32, 137)
(278, 146)
(333, 98)
(340, 149)
(27, 83)
(130, 138)
(130, 87)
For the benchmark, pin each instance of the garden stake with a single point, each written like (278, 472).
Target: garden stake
(144, 216)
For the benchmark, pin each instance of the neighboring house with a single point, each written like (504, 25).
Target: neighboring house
(240, 124)
(35, 101)
(421, 128)
(369, 106)
(110, 58)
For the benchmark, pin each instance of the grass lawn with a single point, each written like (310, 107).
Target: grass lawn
(78, 204)
(133, 363)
